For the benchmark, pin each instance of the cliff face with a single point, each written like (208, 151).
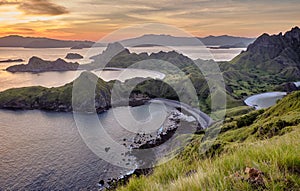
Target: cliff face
(36, 64)
(276, 54)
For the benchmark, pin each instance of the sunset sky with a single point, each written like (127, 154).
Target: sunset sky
(92, 19)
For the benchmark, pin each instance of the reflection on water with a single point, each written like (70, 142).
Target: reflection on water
(44, 151)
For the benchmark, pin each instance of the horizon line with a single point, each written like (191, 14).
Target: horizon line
(62, 39)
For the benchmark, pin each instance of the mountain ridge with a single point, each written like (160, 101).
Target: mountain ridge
(274, 54)
(168, 40)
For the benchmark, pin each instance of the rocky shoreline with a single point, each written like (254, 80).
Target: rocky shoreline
(174, 122)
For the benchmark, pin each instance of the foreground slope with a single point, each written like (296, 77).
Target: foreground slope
(264, 142)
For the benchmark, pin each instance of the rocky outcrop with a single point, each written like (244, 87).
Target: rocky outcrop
(73, 56)
(36, 64)
(253, 176)
(112, 50)
(287, 87)
(276, 54)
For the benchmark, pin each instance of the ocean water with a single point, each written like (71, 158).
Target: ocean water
(44, 151)
(193, 52)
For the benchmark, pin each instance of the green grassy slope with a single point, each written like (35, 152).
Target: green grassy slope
(266, 140)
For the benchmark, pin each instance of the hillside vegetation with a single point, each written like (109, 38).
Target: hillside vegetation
(264, 142)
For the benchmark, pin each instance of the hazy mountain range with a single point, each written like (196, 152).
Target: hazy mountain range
(168, 40)
(33, 42)
(145, 40)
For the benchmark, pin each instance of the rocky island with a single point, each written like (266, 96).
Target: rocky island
(73, 56)
(36, 64)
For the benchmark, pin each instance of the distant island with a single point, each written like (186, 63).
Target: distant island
(36, 64)
(73, 56)
(11, 60)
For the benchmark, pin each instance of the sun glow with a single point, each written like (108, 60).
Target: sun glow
(90, 20)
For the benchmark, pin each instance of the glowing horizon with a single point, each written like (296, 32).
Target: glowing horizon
(91, 19)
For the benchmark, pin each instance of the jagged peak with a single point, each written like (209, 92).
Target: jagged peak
(294, 33)
(295, 29)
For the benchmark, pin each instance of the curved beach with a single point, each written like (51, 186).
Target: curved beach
(264, 100)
